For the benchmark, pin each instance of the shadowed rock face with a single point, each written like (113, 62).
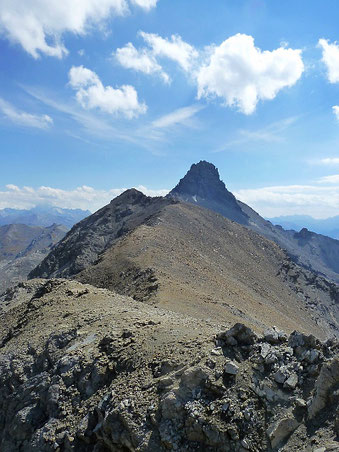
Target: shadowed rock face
(202, 186)
(83, 369)
(89, 238)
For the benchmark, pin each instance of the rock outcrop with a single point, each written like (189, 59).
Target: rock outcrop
(119, 375)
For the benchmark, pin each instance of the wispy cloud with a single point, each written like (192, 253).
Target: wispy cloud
(333, 179)
(23, 118)
(145, 134)
(83, 197)
(181, 116)
(328, 161)
(95, 125)
(272, 133)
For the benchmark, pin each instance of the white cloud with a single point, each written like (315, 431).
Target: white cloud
(242, 74)
(333, 179)
(273, 133)
(146, 59)
(330, 57)
(91, 93)
(146, 4)
(38, 25)
(23, 118)
(140, 60)
(81, 197)
(329, 161)
(181, 116)
(317, 201)
(335, 109)
(174, 48)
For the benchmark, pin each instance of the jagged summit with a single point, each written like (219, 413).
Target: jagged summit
(202, 185)
(201, 180)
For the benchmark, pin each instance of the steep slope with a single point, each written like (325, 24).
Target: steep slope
(202, 186)
(194, 261)
(84, 369)
(313, 251)
(90, 237)
(22, 248)
(43, 216)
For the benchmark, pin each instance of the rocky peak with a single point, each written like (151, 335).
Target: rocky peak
(201, 180)
(202, 185)
(130, 196)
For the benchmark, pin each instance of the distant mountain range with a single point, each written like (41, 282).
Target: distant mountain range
(22, 247)
(328, 226)
(43, 216)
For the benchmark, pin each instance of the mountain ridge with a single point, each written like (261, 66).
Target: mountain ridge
(192, 260)
(316, 252)
(22, 248)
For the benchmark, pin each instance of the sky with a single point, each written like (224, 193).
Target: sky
(97, 96)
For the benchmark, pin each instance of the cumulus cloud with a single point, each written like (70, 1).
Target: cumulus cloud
(174, 48)
(330, 57)
(146, 4)
(242, 74)
(140, 60)
(317, 201)
(23, 118)
(38, 25)
(146, 59)
(83, 197)
(91, 93)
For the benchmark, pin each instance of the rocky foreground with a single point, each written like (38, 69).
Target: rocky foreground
(84, 369)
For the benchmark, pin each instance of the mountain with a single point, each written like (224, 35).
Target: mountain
(202, 186)
(43, 215)
(22, 247)
(84, 369)
(155, 333)
(328, 226)
(191, 260)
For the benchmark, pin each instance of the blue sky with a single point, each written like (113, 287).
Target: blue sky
(101, 95)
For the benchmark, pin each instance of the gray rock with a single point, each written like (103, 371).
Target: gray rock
(281, 375)
(231, 368)
(241, 333)
(328, 377)
(281, 429)
(271, 335)
(265, 349)
(291, 382)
